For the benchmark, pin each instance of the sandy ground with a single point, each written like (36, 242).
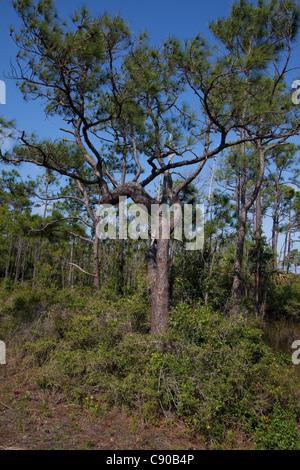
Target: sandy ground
(31, 419)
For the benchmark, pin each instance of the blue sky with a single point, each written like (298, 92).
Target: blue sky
(161, 18)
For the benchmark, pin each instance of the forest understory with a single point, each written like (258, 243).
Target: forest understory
(84, 372)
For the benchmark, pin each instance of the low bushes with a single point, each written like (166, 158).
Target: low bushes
(211, 370)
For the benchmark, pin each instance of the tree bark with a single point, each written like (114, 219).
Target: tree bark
(212, 261)
(24, 261)
(121, 266)
(275, 222)
(157, 258)
(289, 244)
(18, 260)
(9, 257)
(210, 191)
(97, 280)
(37, 257)
(236, 293)
(257, 287)
(172, 270)
(71, 267)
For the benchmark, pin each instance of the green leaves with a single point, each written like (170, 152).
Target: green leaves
(251, 42)
(257, 32)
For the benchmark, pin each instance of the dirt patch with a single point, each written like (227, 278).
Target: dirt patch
(32, 419)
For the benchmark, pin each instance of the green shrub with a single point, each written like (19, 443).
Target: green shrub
(284, 297)
(212, 370)
(278, 431)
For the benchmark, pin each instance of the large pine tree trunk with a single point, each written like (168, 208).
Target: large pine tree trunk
(158, 278)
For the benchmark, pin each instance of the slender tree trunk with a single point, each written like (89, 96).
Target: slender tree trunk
(245, 207)
(158, 278)
(284, 249)
(210, 191)
(289, 247)
(37, 258)
(246, 271)
(275, 222)
(96, 250)
(71, 267)
(121, 266)
(275, 238)
(212, 262)
(236, 293)
(62, 275)
(172, 270)
(18, 260)
(257, 288)
(277, 258)
(253, 221)
(237, 197)
(241, 214)
(9, 257)
(121, 245)
(24, 261)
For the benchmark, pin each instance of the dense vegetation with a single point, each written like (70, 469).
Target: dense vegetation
(229, 378)
(204, 336)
